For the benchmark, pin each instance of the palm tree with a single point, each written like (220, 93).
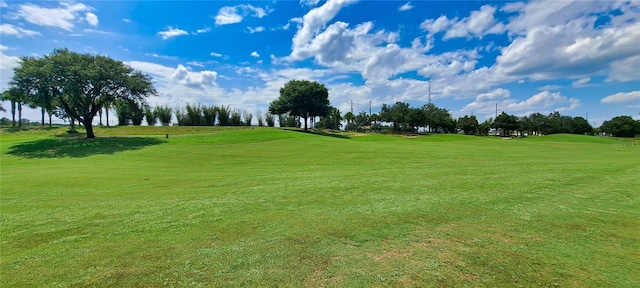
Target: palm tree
(336, 116)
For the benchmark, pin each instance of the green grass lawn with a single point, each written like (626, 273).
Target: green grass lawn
(270, 207)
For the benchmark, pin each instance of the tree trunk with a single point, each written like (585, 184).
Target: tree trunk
(100, 114)
(19, 114)
(88, 126)
(13, 113)
(50, 116)
(42, 111)
(305, 123)
(107, 115)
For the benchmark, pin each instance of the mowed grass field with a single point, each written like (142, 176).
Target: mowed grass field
(264, 207)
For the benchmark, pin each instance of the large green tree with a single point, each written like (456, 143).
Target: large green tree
(302, 98)
(80, 85)
(621, 126)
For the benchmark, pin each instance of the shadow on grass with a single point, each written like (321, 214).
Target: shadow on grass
(76, 147)
(320, 133)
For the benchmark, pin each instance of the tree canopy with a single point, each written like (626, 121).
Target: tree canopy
(76, 86)
(302, 98)
(621, 126)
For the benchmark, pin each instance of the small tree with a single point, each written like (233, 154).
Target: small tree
(268, 117)
(247, 116)
(164, 115)
(151, 117)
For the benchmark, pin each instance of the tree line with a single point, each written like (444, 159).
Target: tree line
(79, 87)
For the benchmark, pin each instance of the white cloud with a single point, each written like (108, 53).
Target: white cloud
(255, 30)
(314, 20)
(195, 63)
(255, 54)
(478, 24)
(7, 62)
(543, 102)
(126, 20)
(558, 39)
(407, 6)
(156, 55)
(172, 32)
(8, 29)
(92, 19)
(214, 54)
(625, 69)
(549, 87)
(204, 30)
(582, 82)
(235, 14)
(3, 5)
(439, 25)
(309, 2)
(64, 17)
(622, 97)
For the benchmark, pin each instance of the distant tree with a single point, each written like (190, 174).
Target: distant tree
(349, 117)
(484, 127)
(235, 119)
(506, 123)
(209, 115)
(303, 99)
(151, 117)
(468, 124)
(260, 121)
(580, 125)
(362, 120)
(247, 116)
(268, 117)
(81, 84)
(16, 98)
(129, 112)
(416, 118)
(224, 115)
(621, 126)
(396, 114)
(164, 114)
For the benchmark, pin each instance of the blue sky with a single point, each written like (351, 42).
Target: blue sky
(575, 57)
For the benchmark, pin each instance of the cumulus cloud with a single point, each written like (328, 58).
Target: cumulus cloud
(255, 54)
(235, 14)
(438, 25)
(545, 102)
(478, 24)
(8, 29)
(214, 54)
(172, 32)
(622, 97)
(314, 20)
(558, 39)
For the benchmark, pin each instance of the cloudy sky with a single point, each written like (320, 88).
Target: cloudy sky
(575, 57)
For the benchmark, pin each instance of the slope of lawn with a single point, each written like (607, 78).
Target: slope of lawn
(270, 207)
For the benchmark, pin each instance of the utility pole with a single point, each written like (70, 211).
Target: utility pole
(429, 91)
(496, 111)
(351, 106)
(369, 108)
